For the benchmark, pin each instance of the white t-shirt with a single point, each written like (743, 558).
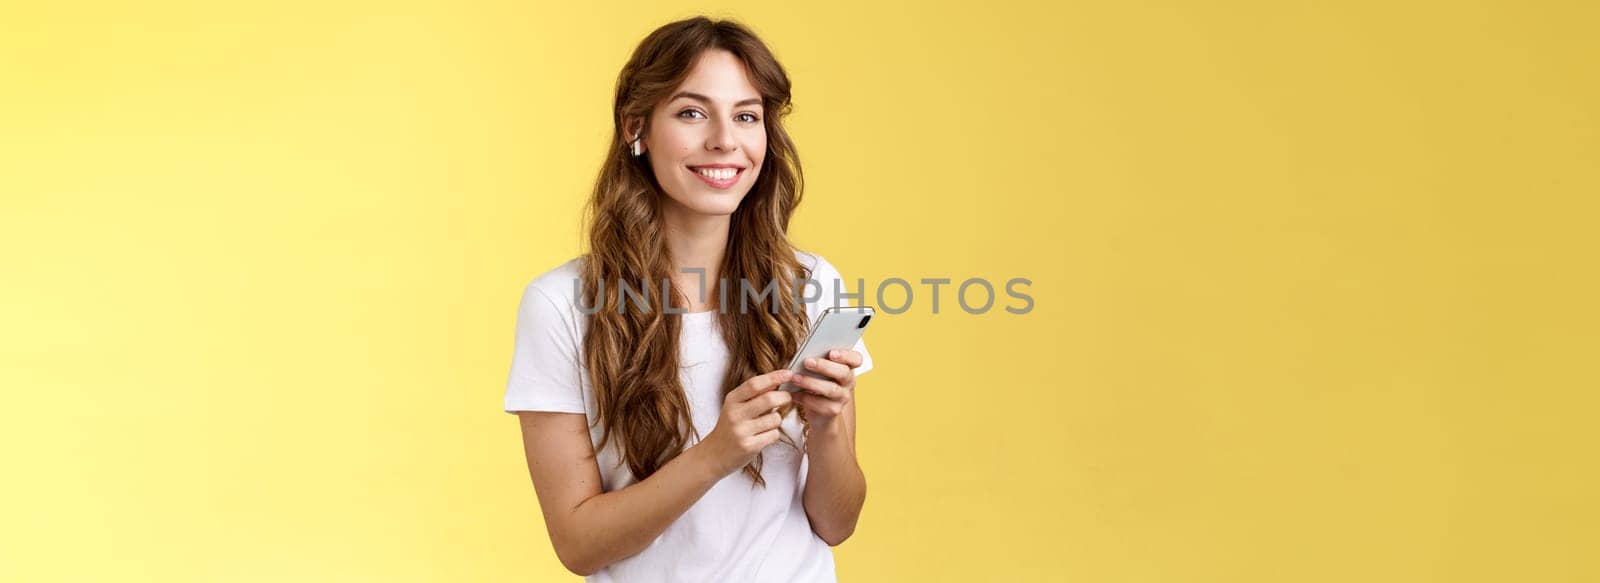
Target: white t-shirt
(736, 531)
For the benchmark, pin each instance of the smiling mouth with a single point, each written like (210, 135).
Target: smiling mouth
(717, 177)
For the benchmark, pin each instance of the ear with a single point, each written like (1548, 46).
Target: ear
(631, 127)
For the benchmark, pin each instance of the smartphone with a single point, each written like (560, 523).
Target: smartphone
(837, 327)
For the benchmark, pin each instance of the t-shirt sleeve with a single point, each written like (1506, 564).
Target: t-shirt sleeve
(545, 368)
(829, 279)
(866, 357)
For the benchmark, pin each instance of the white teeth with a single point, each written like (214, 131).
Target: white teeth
(718, 174)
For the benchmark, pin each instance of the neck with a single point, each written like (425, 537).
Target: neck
(696, 241)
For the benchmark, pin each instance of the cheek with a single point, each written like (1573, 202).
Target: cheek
(674, 144)
(667, 153)
(668, 136)
(758, 150)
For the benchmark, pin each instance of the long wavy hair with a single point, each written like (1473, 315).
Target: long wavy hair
(631, 355)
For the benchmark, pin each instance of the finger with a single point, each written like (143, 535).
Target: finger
(818, 406)
(766, 403)
(820, 387)
(837, 371)
(846, 357)
(759, 405)
(768, 421)
(770, 436)
(759, 384)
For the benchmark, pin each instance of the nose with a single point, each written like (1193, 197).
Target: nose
(721, 138)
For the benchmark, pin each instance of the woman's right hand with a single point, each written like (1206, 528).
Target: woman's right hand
(748, 423)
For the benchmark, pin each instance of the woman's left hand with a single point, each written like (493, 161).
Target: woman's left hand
(824, 399)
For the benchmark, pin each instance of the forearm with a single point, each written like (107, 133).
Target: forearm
(615, 525)
(835, 485)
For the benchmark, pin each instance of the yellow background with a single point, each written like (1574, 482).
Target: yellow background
(1314, 285)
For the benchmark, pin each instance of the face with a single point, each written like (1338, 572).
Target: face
(706, 143)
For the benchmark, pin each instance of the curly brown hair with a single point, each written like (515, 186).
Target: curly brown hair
(632, 355)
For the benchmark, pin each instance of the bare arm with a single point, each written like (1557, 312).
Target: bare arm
(590, 529)
(836, 488)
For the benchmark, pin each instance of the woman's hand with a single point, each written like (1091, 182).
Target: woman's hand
(749, 421)
(824, 399)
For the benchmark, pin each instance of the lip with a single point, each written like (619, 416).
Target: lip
(718, 184)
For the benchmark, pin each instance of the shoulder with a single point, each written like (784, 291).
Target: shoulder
(826, 287)
(817, 266)
(559, 285)
(559, 282)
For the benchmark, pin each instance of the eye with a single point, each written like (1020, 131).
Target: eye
(751, 117)
(687, 111)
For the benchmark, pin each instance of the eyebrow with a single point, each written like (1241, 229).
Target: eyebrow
(707, 100)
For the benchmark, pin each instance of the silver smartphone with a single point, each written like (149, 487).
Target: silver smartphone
(837, 327)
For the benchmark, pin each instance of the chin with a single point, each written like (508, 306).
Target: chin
(723, 205)
(704, 201)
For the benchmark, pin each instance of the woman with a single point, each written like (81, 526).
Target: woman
(647, 430)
